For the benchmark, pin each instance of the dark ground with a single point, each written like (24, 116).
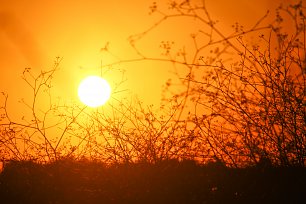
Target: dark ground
(169, 182)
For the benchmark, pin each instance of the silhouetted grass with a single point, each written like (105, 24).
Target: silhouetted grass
(70, 181)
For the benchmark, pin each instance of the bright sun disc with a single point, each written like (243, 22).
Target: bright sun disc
(94, 91)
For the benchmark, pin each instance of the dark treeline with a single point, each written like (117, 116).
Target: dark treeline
(70, 181)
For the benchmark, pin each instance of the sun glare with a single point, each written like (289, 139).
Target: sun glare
(94, 91)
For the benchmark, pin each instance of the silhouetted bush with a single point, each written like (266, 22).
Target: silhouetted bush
(245, 111)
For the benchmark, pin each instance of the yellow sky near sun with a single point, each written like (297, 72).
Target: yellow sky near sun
(34, 32)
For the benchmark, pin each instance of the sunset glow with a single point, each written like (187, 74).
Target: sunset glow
(94, 93)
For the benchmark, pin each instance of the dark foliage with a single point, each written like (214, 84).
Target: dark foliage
(69, 181)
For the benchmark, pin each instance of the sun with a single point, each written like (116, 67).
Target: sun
(94, 91)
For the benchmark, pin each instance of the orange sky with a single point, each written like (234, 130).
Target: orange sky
(34, 32)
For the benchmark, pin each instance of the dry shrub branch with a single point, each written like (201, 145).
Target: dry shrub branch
(240, 101)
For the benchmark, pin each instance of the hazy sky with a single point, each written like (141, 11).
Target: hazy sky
(34, 32)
